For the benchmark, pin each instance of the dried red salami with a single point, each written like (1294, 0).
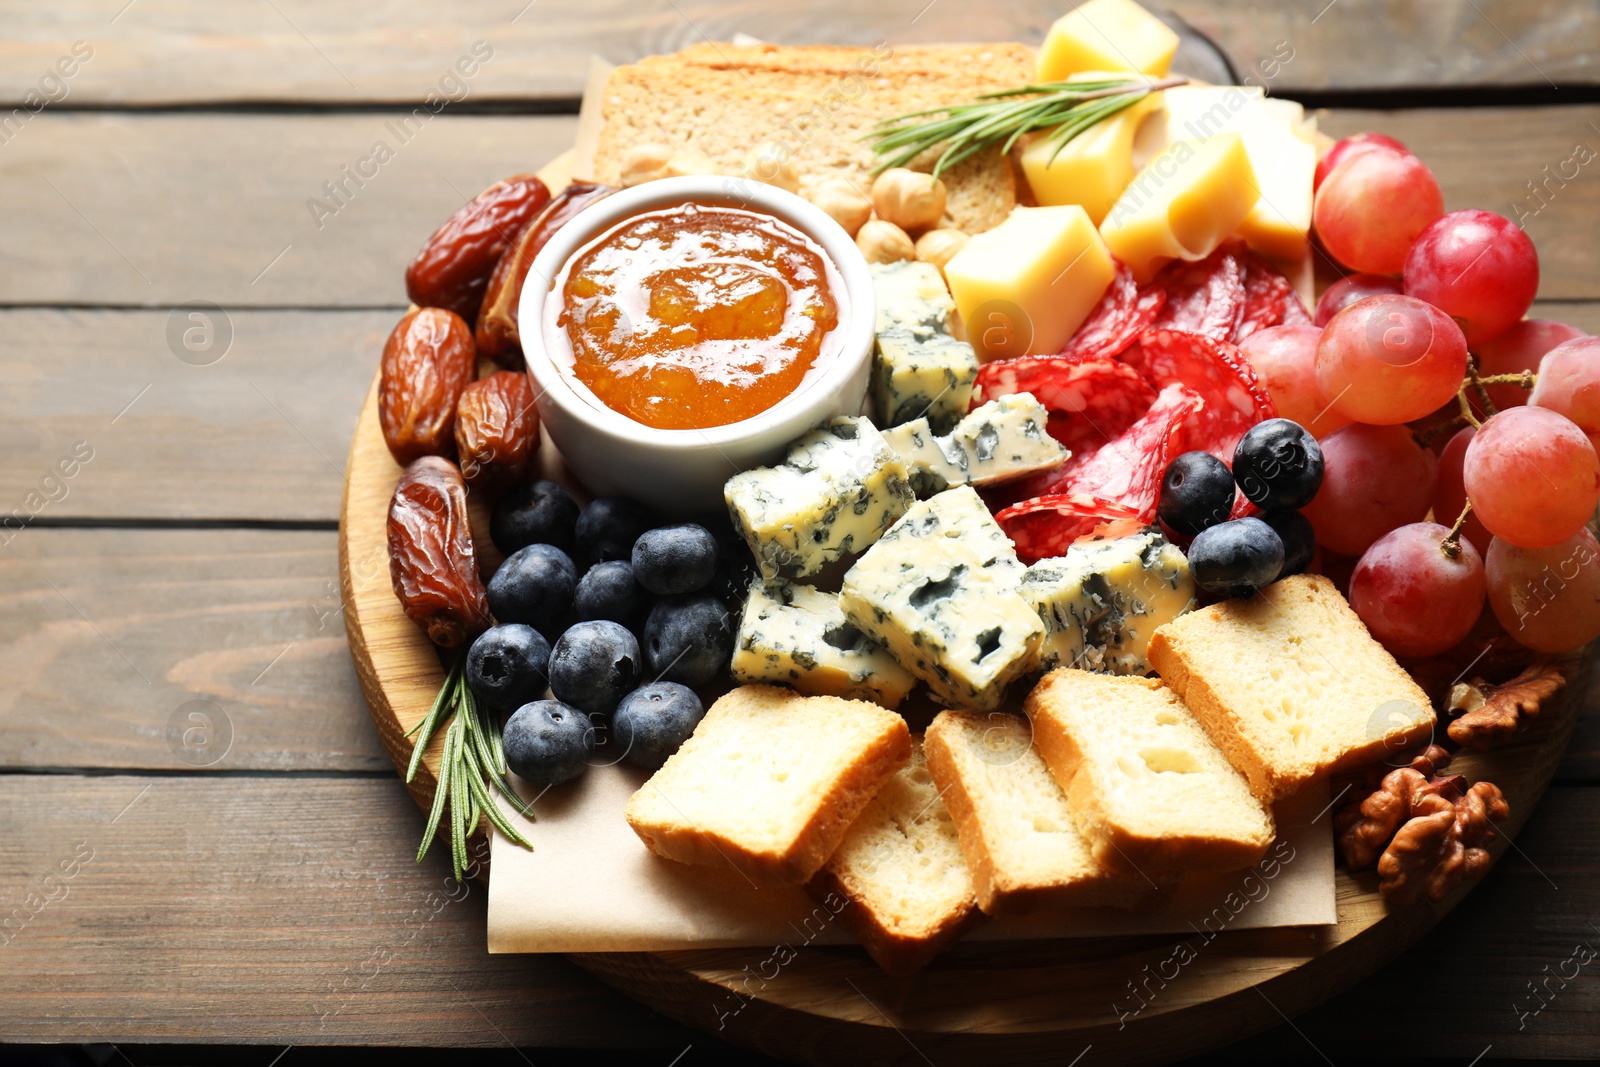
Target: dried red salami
(1205, 296)
(1048, 525)
(1124, 312)
(1269, 299)
(1235, 399)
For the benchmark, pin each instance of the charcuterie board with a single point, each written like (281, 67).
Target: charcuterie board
(1133, 1000)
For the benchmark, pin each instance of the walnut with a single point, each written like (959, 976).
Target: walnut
(1365, 828)
(1490, 714)
(1442, 847)
(841, 201)
(884, 242)
(910, 199)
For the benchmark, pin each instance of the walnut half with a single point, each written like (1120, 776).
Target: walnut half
(1443, 846)
(1488, 715)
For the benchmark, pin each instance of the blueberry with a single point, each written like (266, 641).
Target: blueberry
(1299, 542)
(609, 526)
(688, 639)
(608, 591)
(534, 513)
(593, 665)
(1236, 558)
(1278, 464)
(1196, 493)
(653, 720)
(534, 585)
(547, 742)
(675, 559)
(506, 666)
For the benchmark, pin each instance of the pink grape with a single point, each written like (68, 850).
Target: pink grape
(1547, 598)
(1477, 267)
(1346, 291)
(1533, 477)
(1372, 206)
(1377, 478)
(1518, 349)
(1450, 492)
(1390, 359)
(1415, 599)
(1569, 383)
(1354, 145)
(1284, 358)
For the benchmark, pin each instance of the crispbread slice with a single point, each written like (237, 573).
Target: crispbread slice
(1290, 685)
(769, 782)
(1147, 786)
(1017, 833)
(724, 100)
(900, 867)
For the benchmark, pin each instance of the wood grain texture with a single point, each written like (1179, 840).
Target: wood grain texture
(263, 909)
(111, 639)
(188, 51)
(163, 209)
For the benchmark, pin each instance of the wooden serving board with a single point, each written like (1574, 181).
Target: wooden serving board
(1133, 1000)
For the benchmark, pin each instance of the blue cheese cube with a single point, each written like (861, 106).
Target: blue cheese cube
(933, 604)
(1001, 440)
(962, 515)
(911, 296)
(838, 489)
(929, 378)
(1102, 600)
(798, 636)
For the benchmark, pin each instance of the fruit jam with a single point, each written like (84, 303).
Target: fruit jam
(697, 315)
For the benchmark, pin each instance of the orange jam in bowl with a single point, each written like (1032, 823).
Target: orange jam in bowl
(697, 315)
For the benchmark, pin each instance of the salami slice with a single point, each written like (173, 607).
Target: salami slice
(1269, 299)
(1206, 296)
(1124, 312)
(1235, 399)
(1128, 470)
(1047, 526)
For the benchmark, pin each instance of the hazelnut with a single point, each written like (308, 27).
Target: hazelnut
(910, 199)
(643, 163)
(940, 246)
(884, 242)
(841, 201)
(689, 161)
(771, 163)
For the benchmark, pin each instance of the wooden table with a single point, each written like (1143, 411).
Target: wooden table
(201, 840)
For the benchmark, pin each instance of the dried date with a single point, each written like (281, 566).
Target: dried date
(497, 429)
(427, 362)
(453, 268)
(497, 334)
(431, 559)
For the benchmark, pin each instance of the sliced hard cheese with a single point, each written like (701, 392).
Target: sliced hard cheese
(1102, 600)
(998, 441)
(1278, 142)
(1093, 168)
(836, 491)
(1027, 285)
(1190, 197)
(798, 636)
(1112, 35)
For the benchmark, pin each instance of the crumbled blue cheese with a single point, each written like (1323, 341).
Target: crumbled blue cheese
(798, 636)
(918, 369)
(961, 514)
(998, 441)
(932, 602)
(1102, 600)
(911, 295)
(837, 490)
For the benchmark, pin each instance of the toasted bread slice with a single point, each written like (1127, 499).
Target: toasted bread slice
(1147, 786)
(1290, 685)
(769, 782)
(900, 867)
(1017, 832)
(817, 102)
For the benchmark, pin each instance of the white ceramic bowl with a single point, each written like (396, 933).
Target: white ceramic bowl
(682, 471)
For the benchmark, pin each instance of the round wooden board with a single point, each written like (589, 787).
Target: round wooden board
(1015, 1002)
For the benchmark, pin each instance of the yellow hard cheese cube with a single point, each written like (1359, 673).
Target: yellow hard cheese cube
(1093, 168)
(1276, 139)
(1181, 206)
(1027, 285)
(1115, 35)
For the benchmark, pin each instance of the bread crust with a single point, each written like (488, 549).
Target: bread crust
(898, 953)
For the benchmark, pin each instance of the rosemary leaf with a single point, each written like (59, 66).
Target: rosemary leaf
(430, 721)
(441, 793)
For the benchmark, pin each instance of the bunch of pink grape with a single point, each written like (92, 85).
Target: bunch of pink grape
(1390, 347)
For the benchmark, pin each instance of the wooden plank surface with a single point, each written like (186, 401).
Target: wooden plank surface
(158, 210)
(189, 51)
(221, 650)
(192, 922)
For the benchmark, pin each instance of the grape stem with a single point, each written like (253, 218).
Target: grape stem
(1451, 545)
(1466, 415)
(1527, 379)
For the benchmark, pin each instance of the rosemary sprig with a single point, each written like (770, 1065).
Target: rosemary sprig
(473, 758)
(1065, 108)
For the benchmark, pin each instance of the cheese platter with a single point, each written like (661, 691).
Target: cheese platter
(957, 526)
